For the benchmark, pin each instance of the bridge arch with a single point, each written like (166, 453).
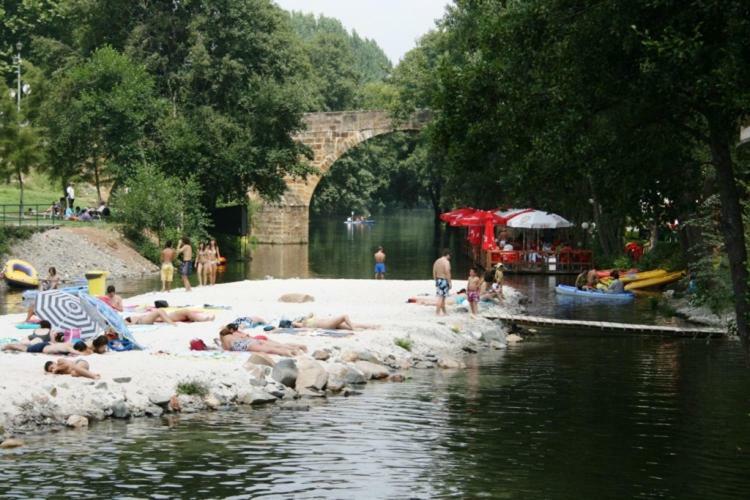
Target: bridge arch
(329, 136)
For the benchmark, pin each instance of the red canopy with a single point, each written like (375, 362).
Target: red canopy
(449, 217)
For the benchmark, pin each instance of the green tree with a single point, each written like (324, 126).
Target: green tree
(153, 204)
(20, 148)
(98, 118)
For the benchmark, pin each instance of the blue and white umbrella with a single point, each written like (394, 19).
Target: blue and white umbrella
(64, 312)
(106, 315)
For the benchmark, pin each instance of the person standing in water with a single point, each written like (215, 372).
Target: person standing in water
(186, 253)
(167, 268)
(441, 273)
(216, 260)
(380, 264)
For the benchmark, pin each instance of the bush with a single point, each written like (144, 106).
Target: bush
(403, 343)
(192, 388)
(154, 205)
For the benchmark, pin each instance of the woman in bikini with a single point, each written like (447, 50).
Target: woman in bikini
(200, 257)
(216, 256)
(209, 264)
(341, 322)
(234, 340)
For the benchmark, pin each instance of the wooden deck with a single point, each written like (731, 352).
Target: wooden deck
(609, 328)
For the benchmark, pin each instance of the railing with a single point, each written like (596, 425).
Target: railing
(562, 261)
(31, 216)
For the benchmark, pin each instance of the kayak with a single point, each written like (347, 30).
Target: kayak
(20, 274)
(665, 279)
(633, 277)
(593, 295)
(604, 273)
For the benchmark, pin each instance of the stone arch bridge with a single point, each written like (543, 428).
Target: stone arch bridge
(329, 136)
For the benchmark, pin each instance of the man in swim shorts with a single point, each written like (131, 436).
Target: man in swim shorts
(380, 264)
(167, 268)
(186, 253)
(441, 273)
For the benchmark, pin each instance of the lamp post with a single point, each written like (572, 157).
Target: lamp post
(21, 88)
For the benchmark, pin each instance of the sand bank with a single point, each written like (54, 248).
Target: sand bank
(142, 382)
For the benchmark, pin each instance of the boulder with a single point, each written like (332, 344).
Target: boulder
(120, 410)
(77, 421)
(259, 359)
(153, 411)
(321, 355)
(160, 397)
(349, 356)
(350, 392)
(295, 406)
(212, 401)
(450, 363)
(285, 372)
(256, 397)
(296, 298)
(366, 355)
(340, 375)
(372, 370)
(258, 372)
(513, 338)
(310, 374)
(497, 345)
(311, 393)
(122, 380)
(397, 377)
(12, 443)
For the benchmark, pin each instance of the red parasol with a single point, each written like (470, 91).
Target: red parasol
(454, 214)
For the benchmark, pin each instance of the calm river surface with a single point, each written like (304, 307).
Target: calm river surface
(553, 417)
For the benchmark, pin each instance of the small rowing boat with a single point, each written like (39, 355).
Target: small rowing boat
(593, 294)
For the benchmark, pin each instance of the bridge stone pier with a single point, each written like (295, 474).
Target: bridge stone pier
(329, 136)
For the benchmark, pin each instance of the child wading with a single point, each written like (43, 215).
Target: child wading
(473, 286)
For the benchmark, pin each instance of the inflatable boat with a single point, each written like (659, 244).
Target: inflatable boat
(593, 295)
(20, 274)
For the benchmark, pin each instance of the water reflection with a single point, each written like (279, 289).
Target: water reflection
(554, 418)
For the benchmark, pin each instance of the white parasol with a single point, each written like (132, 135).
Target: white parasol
(538, 219)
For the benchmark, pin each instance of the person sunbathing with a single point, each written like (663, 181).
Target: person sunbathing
(341, 322)
(77, 368)
(234, 340)
(161, 316)
(43, 333)
(55, 346)
(457, 299)
(97, 346)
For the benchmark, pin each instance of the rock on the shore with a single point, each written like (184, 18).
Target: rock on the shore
(310, 375)
(450, 363)
(285, 372)
(259, 359)
(513, 338)
(12, 443)
(372, 370)
(397, 377)
(77, 421)
(120, 410)
(256, 397)
(321, 354)
(341, 375)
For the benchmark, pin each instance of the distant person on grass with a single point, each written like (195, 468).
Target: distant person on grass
(380, 264)
(186, 267)
(167, 268)
(441, 273)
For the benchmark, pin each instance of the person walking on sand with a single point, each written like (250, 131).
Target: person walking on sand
(441, 273)
(186, 252)
(167, 266)
(380, 264)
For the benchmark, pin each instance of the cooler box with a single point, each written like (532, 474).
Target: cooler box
(97, 282)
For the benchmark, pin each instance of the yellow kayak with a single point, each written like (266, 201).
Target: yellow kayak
(656, 281)
(19, 273)
(645, 275)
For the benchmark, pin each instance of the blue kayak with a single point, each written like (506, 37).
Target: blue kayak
(594, 295)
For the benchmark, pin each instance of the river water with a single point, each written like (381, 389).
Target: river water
(552, 417)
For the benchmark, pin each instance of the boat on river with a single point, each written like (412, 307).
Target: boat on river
(656, 281)
(20, 274)
(572, 291)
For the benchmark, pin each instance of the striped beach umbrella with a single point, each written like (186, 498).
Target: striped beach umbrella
(102, 312)
(64, 312)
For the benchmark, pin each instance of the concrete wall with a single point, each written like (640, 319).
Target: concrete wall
(329, 136)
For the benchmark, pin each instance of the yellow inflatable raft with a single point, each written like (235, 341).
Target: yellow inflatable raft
(20, 274)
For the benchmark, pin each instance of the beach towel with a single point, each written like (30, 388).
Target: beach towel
(27, 326)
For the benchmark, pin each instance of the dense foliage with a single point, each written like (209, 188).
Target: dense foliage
(625, 113)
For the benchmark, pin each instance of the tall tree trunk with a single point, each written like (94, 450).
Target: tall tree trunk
(98, 184)
(731, 225)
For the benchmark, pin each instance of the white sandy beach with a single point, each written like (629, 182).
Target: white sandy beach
(141, 382)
